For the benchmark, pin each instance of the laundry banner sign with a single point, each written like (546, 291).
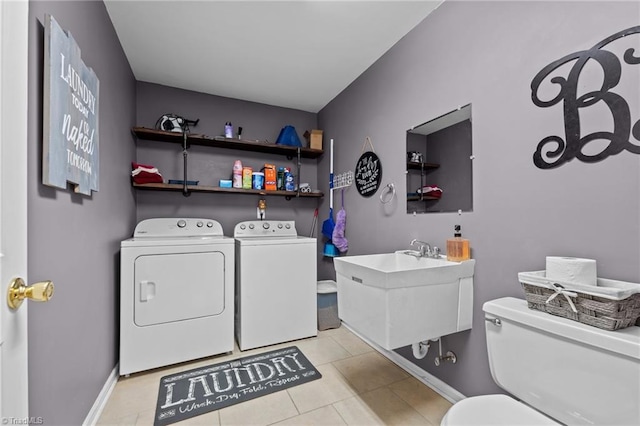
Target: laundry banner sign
(581, 96)
(70, 128)
(201, 390)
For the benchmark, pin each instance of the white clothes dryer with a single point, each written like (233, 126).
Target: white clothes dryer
(176, 295)
(276, 282)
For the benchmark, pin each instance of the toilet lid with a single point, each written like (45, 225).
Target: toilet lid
(493, 410)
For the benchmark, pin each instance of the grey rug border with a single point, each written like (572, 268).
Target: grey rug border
(226, 365)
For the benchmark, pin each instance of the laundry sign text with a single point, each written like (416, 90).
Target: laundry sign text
(210, 388)
(71, 137)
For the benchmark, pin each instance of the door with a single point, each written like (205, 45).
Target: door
(178, 287)
(13, 207)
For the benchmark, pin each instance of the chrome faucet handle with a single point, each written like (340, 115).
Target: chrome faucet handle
(436, 252)
(425, 248)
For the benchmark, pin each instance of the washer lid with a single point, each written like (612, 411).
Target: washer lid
(173, 241)
(495, 410)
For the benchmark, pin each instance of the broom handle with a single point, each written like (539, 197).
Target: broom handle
(331, 176)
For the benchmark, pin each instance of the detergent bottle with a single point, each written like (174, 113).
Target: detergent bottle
(237, 174)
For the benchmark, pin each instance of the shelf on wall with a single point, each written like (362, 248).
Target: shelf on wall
(421, 166)
(217, 189)
(226, 143)
(417, 198)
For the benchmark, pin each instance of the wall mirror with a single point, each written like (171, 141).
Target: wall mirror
(439, 169)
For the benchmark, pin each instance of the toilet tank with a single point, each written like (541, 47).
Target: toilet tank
(572, 372)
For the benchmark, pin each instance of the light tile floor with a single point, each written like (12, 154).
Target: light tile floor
(359, 386)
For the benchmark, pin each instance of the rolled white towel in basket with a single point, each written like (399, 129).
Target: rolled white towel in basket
(572, 270)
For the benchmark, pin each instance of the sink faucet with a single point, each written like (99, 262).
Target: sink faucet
(425, 248)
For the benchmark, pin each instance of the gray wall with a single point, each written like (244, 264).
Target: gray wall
(209, 165)
(73, 239)
(486, 54)
(521, 213)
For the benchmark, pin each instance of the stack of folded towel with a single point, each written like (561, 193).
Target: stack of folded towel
(430, 190)
(142, 173)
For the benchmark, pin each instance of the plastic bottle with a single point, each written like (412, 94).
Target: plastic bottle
(289, 184)
(247, 173)
(237, 174)
(257, 180)
(280, 179)
(457, 247)
(228, 130)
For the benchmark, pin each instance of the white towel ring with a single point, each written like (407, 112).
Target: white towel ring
(389, 189)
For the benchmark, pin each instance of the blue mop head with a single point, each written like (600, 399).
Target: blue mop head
(328, 225)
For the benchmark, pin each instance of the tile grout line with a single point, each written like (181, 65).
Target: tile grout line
(409, 403)
(338, 411)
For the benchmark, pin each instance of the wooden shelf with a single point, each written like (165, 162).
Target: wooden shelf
(226, 143)
(217, 189)
(421, 166)
(417, 198)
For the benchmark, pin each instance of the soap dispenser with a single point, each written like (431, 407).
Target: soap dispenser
(457, 247)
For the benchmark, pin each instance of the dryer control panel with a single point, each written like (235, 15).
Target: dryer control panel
(265, 229)
(177, 227)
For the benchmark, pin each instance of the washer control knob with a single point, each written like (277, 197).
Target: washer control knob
(288, 226)
(266, 225)
(182, 223)
(209, 224)
(251, 226)
(199, 224)
(279, 226)
(243, 227)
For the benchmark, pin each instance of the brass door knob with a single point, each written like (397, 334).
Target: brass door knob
(18, 291)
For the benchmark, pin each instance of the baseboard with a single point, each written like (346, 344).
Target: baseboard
(446, 391)
(103, 397)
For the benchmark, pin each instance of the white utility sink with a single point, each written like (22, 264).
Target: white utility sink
(399, 269)
(397, 299)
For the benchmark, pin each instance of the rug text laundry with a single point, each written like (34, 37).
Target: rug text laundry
(201, 390)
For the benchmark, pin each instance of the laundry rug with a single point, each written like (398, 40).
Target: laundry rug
(201, 390)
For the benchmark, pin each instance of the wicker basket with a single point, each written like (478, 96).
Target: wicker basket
(611, 305)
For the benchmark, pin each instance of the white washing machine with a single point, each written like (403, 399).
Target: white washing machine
(276, 282)
(176, 295)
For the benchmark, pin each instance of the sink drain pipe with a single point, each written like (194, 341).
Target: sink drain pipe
(420, 349)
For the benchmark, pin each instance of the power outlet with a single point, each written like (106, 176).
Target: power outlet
(261, 214)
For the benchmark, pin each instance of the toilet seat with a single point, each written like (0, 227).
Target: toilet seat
(493, 410)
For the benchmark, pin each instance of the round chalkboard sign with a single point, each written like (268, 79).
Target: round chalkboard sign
(368, 174)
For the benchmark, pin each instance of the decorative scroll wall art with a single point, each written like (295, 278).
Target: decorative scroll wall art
(553, 151)
(70, 128)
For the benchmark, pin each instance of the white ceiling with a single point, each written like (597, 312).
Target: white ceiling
(296, 54)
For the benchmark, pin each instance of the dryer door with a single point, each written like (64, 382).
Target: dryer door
(177, 287)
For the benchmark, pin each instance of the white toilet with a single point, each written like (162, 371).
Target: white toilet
(569, 372)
